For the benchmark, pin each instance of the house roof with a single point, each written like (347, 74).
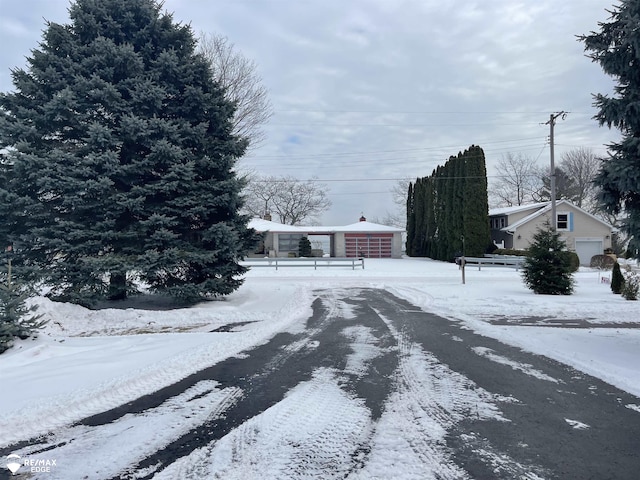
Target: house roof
(517, 208)
(261, 225)
(539, 209)
(368, 227)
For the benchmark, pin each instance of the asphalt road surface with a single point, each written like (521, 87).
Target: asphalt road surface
(453, 405)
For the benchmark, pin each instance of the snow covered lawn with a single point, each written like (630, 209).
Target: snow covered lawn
(85, 362)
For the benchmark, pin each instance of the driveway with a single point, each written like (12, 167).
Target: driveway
(369, 387)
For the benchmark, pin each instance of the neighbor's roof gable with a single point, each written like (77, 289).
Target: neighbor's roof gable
(516, 209)
(514, 226)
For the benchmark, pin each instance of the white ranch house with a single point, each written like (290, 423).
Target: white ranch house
(585, 234)
(361, 239)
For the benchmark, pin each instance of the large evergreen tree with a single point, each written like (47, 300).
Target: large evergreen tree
(616, 47)
(429, 223)
(121, 159)
(460, 180)
(475, 220)
(411, 221)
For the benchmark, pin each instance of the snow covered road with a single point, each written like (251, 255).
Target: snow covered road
(370, 386)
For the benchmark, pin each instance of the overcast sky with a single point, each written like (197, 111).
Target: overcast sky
(367, 92)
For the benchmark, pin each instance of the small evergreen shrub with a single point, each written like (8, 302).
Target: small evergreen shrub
(617, 279)
(631, 285)
(548, 268)
(304, 247)
(17, 320)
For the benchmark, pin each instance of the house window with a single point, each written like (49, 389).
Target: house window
(288, 242)
(562, 221)
(503, 222)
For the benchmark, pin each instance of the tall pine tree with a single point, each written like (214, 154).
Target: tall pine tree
(450, 222)
(429, 223)
(475, 218)
(121, 159)
(616, 47)
(411, 221)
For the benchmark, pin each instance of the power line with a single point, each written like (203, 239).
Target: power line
(439, 124)
(381, 179)
(388, 160)
(422, 149)
(417, 112)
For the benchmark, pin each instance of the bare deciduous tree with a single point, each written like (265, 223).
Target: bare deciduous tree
(392, 219)
(399, 192)
(518, 180)
(582, 165)
(398, 217)
(238, 76)
(292, 200)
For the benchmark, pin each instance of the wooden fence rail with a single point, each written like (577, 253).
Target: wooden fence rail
(314, 262)
(511, 261)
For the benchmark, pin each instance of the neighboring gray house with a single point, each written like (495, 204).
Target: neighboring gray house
(585, 234)
(361, 239)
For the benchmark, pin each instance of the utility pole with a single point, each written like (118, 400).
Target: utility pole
(552, 172)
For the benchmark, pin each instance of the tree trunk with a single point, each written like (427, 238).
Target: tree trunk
(118, 286)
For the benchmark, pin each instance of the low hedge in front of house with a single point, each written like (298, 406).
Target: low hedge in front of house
(510, 251)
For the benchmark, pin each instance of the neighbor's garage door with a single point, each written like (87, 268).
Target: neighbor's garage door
(370, 245)
(587, 249)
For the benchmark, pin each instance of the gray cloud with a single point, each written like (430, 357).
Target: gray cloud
(375, 90)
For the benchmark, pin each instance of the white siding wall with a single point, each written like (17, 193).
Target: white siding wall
(339, 245)
(584, 226)
(397, 245)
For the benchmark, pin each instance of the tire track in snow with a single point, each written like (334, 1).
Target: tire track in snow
(523, 367)
(428, 399)
(431, 401)
(177, 415)
(266, 375)
(537, 442)
(281, 443)
(336, 448)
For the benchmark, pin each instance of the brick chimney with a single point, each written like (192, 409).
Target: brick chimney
(267, 216)
(363, 218)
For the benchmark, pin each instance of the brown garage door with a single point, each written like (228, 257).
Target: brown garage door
(369, 245)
